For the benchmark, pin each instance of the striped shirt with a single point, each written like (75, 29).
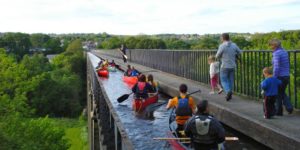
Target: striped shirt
(281, 63)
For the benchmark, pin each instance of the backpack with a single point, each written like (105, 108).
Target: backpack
(183, 108)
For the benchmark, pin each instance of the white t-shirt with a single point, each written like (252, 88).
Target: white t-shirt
(214, 68)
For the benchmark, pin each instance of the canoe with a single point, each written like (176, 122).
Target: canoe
(139, 105)
(175, 144)
(112, 69)
(103, 73)
(130, 80)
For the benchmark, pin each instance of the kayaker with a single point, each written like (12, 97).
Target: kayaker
(99, 65)
(184, 105)
(142, 88)
(128, 71)
(205, 131)
(134, 72)
(153, 84)
(104, 64)
(112, 63)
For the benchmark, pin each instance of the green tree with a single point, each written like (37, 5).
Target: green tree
(206, 43)
(111, 43)
(177, 44)
(17, 43)
(53, 46)
(38, 40)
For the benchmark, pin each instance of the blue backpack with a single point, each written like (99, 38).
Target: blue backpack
(183, 108)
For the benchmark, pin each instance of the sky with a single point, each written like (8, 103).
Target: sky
(132, 17)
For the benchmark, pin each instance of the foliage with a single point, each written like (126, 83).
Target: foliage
(177, 44)
(38, 40)
(33, 134)
(32, 87)
(17, 43)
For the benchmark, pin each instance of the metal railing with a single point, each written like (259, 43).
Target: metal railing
(193, 64)
(105, 128)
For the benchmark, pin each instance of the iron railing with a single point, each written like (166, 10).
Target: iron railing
(193, 64)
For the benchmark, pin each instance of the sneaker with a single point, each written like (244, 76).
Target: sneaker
(220, 91)
(211, 93)
(229, 96)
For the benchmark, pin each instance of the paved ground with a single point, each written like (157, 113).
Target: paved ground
(242, 114)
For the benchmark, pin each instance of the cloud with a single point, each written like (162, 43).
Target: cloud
(150, 17)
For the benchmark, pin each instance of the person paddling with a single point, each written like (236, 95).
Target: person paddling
(112, 63)
(142, 88)
(134, 72)
(184, 105)
(153, 84)
(205, 131)
(128, 71)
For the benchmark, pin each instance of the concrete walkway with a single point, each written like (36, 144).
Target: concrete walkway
(241, 114)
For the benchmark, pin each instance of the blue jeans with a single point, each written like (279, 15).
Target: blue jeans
(283, 99)
(227, 79)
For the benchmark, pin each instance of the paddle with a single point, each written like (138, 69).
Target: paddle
(123, 54)
(163, 138)
(155, 106)
(123, 97)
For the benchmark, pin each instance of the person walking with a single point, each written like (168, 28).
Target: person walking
(214, 70)
(228, 52)
(205, 131)
(281, 70)
(269, 88)
(123, 50)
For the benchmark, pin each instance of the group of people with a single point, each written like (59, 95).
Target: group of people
(145, 86)
(105, 64)
(276, 77)
(195, 122)
(203, 129)
(131, 72)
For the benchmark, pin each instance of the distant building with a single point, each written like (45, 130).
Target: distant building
(50, 57)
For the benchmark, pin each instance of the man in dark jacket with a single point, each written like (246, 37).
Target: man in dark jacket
(205, 131)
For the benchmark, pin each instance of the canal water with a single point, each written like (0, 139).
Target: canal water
(141, 130)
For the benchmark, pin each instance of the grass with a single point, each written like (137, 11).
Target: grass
(75, 132)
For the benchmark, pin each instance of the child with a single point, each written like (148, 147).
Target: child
(214, 70)
(270, 90)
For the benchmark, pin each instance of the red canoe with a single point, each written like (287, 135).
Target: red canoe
(103, 73)
(130, 80)
(139, 105)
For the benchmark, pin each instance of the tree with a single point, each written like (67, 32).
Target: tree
(38, 40)
(17, 43)
(241, 42)
(177, 44)
(111, 43)
(53, 46)
(206, 43)
(32, 134)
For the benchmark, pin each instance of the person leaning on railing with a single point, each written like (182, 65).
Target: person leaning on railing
(228, 52)
(281, 70)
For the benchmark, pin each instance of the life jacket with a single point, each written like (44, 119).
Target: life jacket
(112, 64)
(202, 135)
(134, 73)
(183, 108)
(141, 90)
(153, 85)
(128, 72)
